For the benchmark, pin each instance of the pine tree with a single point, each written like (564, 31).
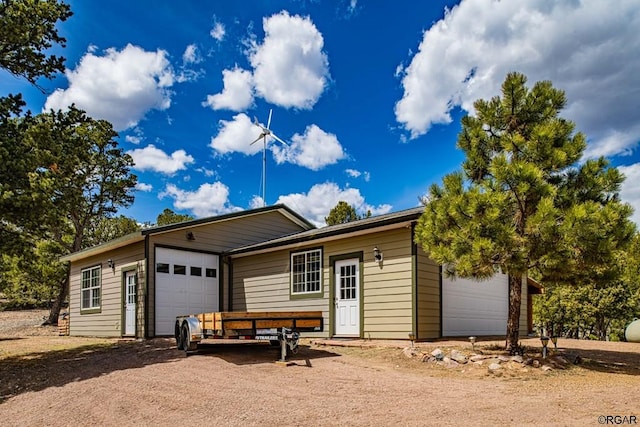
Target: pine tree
(522, 201)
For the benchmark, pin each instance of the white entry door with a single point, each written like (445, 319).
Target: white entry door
(130, 303)
(347, 298)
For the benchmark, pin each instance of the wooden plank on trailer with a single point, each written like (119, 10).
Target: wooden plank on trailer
(274, 323)
(308, 323)
(238, 324)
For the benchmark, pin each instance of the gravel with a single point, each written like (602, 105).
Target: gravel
(57, 381)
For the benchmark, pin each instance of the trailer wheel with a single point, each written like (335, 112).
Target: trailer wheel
(274, 343)
(178, 336)
(187, 345)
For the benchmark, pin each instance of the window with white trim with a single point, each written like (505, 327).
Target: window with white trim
(306, 272)
(90, 289)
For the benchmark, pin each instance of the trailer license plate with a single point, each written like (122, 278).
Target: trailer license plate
(267, 331)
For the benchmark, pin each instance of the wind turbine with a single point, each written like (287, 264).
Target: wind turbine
(264, 134)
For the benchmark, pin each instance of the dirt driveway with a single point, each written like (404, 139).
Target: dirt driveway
(56, 381)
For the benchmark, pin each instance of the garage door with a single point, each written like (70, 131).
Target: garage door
(186, 283)
(472, 307)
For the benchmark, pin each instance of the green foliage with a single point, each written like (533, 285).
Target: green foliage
(342, 213)
(522, 203)
(168, 217)
(33, 279)
(105, 229)
(27, 29)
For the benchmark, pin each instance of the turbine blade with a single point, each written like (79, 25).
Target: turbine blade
(269, 121)
(257, 139)
(278, 138)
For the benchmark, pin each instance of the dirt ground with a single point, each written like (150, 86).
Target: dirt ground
(50, 380)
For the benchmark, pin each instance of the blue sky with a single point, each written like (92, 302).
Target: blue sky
(367, 95)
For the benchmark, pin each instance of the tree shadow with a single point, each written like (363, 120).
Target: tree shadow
(37, 371)
(252, 353)
(606, 361)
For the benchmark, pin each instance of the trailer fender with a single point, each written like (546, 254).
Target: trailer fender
(191, 334)
(195, 330)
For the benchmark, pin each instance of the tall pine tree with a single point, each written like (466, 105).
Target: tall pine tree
(522, 202)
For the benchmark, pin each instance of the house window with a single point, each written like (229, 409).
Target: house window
(90, 291)
(306, 272)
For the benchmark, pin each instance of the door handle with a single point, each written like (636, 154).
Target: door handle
(335, 301)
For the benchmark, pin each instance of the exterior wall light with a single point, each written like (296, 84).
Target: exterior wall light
(111, 264)
(377, 255)
(190, 235)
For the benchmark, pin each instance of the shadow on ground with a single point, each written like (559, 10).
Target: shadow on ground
(36, 371)
(251, 353)
(54, 368)
(607, 361)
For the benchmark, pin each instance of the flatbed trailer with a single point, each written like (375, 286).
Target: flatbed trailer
(278, 327)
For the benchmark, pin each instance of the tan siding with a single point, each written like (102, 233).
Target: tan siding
(261, 282)
(428, 297)
(108, 322)
(217, 238)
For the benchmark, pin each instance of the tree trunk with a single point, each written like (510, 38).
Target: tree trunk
(515, 301)
(57, 303)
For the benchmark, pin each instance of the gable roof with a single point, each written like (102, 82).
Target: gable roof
(138, 236)
(333, 232)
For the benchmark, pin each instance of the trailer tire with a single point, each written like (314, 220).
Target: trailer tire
(187, 345)
(274, 343)
(178, 335)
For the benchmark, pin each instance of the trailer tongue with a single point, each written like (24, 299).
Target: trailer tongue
(282, 328)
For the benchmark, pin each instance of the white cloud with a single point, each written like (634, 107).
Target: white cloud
(133, 139)
(141, 186)
(121, 86)
(354, 173)
(588, 48)
(321, 198)
(290, 68)
(237, 94)
(152, 158)
(236, 136)
(256, 202)
(207, 200)
(218, 31)
(191, 55)
(630, 190)
(314, 150)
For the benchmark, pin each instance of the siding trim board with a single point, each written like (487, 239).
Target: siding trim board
(414, 286)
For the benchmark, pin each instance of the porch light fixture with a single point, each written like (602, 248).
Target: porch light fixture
(190, 235)
(545, 342)
(111, 264)
(377, 255)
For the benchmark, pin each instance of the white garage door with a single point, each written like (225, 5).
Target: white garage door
(186, 283)
(472, 307)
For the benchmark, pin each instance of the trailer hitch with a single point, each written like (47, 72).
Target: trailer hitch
(288, 340)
